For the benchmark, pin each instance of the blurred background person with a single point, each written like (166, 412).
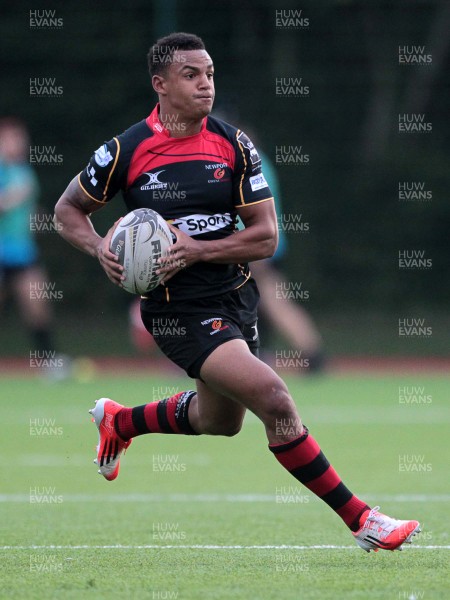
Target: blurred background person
(278, 313)
(20, 270)
(140, 338)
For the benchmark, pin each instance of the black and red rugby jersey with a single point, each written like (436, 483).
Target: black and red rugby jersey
(197, 183)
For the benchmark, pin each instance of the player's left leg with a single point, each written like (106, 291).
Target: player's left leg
(234, 372)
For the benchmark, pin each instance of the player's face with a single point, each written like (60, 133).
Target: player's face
(188, 84)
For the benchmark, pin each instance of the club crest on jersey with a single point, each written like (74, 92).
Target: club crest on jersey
(153, 182)
(219, 172)
(103, 156)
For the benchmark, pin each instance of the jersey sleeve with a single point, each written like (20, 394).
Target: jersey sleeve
(250, 185)
(101, 178)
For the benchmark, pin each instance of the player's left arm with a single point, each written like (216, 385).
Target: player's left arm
(258, 240)
(255, 206)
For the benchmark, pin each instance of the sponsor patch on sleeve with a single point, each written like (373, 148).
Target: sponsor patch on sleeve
(247, 143)
(258, 182)
(103, 156)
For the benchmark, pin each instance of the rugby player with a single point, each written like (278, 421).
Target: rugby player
(207, 288)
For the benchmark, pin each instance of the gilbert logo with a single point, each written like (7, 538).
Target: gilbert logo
(153, 182)
(153, 177)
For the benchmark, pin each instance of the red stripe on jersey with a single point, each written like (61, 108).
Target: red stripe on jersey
(158, 150)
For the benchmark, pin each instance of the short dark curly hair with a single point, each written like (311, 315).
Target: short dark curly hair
(161, 53)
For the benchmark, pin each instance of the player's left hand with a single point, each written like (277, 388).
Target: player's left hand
(183, 253)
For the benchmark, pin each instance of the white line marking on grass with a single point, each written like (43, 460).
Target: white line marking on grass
(201, 547)
(80, 460)
(233, 498)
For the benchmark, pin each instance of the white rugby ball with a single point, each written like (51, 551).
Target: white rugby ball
(139, 240)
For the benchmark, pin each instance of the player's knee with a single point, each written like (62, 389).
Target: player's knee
(232, 429)
(278, 405)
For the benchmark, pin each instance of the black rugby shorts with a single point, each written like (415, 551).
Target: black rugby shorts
(188, 332)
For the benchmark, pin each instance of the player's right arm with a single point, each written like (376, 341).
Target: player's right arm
(72, 217)
(87, 193)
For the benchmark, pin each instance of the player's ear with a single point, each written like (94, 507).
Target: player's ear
(159, 84)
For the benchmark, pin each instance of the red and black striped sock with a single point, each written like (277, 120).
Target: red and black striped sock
(304, 459)
(166, 416)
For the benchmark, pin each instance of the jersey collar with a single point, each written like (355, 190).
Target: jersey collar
(158, 128)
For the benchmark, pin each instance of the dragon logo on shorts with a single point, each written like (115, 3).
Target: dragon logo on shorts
(216, 325)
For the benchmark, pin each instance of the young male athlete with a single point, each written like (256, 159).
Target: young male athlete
(208, 289)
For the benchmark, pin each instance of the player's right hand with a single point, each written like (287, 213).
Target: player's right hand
(108, 260)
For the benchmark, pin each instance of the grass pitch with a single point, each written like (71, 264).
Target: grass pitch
(217, 518)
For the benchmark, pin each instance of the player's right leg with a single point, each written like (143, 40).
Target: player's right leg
(190, 413)
(110, 445)
(212, 413)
